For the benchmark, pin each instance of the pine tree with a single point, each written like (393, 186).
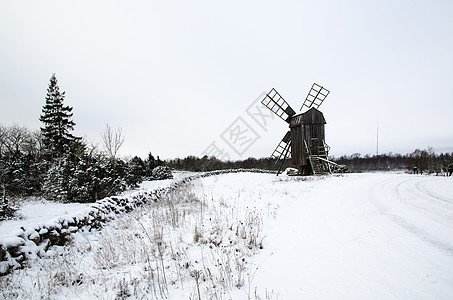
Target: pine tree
(150, 164)
(136, 171)
(57, 120)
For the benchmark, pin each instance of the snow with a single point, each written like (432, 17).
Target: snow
(354, 236)
(363, 237)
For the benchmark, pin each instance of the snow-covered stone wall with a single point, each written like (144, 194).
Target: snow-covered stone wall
(34, 241)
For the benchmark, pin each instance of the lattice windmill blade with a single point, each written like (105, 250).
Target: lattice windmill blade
(282, 151)
(278, 105)
(315, 97)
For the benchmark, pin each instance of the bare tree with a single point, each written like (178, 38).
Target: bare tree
(112, 141)
(92, 147)
(14, 139)
(3, 137)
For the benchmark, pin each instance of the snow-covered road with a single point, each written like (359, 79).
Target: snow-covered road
(362, 236)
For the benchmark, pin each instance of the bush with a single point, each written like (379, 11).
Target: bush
(6, 211)
(162, 172)
(87, 178)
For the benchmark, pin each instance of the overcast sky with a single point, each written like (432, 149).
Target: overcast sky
(181, 77)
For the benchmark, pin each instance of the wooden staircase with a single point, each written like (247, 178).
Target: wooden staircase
(316, 165)
(318, 161)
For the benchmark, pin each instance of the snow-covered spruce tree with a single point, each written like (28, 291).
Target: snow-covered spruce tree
(136, 171)
(60, 147)
(57, 121)
(56, 183)
(150, 164)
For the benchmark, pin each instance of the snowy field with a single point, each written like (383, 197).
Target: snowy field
(258, 236)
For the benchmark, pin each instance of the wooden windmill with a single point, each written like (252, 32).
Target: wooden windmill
(304, 143)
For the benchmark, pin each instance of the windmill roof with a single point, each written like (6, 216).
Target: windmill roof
(311, 116)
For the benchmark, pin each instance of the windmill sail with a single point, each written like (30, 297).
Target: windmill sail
(315, 97)
(278, 105)
(282, 151)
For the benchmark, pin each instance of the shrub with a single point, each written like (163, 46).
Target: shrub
(87, 178)
(162, 172)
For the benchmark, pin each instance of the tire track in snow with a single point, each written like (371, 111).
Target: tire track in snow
(355, 238)
(388, 191)
(421, 186)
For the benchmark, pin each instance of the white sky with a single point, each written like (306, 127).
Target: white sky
(174, 75)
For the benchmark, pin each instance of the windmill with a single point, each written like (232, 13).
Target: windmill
(304, 143)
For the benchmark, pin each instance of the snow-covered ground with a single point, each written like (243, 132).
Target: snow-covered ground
(258, 236)
(370, 236)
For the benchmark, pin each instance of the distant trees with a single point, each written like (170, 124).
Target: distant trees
(422, 160)
(419, 161)
(205, 163)
(444, 163)
(382, 162)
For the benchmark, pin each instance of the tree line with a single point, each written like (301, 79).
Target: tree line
(205, 163)
(54, 163)
(420, 161)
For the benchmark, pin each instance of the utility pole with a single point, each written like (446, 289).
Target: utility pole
(377, 138)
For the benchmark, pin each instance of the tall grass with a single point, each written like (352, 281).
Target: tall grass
(189, 243)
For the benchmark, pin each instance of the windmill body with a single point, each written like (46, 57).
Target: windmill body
(304, 144)
(307, 132)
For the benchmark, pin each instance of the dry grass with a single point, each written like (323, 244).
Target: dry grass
(190, 242)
